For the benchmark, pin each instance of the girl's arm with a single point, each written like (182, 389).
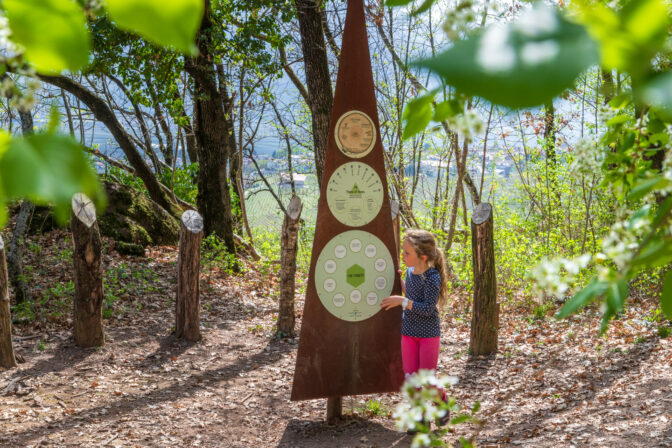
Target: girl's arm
(392, 301)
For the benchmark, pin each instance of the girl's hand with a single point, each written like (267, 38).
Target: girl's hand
(403, 283)
(391, 302)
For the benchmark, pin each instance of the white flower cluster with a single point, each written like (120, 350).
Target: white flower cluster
(553, 278)
(606, 113)
(588, 158)
(21, 96)
(459, 21)
(623, 240)
(468, 124)
(421, 400)
(6, 44)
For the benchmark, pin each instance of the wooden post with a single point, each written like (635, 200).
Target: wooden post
(88, 304)
(187, 308)
(394, 207)
(288, 249)
(485, 318)
(334, 409)
(7, 359)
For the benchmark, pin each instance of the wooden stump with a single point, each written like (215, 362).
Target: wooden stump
(394, 208)
(290, 236)
(485, 318)
(88, 304)
(7, 359)
(187, 307)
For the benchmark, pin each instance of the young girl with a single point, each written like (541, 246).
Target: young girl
(426, 292)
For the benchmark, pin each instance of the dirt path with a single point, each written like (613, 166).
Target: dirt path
(551, 384)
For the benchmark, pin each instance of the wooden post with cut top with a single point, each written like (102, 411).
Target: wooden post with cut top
(394, 208)
(485, 318)
(187, 306)
(288, 249)
(87, 254)
(7, 359)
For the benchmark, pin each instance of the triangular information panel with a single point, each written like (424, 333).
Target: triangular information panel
(348, 345)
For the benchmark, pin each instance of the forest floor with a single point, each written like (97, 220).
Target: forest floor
(552, 383)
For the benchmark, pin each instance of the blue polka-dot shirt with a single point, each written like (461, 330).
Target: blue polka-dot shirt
(423, 320)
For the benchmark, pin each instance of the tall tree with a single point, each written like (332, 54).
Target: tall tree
(320, 96)
(213, 135)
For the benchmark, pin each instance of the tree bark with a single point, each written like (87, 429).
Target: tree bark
(289, 243)
(317, 76)
(212, 134)
(187, 306)
(485, 318)
(88, 304)
(7, 359)
(103, 113)
(15, 254)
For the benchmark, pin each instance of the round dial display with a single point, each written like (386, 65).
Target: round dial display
(354, 194)
(354, 273)
(355, 134)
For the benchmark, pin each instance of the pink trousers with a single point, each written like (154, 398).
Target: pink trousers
(420, 353)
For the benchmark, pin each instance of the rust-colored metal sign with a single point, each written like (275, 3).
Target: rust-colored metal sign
(348, 345)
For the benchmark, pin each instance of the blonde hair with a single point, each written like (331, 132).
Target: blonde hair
(424, 243)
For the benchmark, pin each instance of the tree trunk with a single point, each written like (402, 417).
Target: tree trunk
(187, 307)
(15, 254)
(290, 234)
(88, 310)
(317, 76)
(212, 134)
(7, 359)
(485, 318)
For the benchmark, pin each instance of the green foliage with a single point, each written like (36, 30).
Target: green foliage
(172, 23)
(46, 168)
(524, 63)
(214, 254)
(183, 181)
(52, 33)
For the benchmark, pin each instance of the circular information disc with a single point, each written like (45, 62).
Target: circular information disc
(354, 194)
(351, 285)
(355, 134)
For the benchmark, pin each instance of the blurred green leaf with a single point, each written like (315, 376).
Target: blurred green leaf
(628, 38)
(167, 23)
(398, 2)
(581, 298)
(53, 33)
(666, 296)
(426, 5)
(525, 63)
(643, 187)
(417, 114)
(48, 168)
(656, 253)
(657, 93)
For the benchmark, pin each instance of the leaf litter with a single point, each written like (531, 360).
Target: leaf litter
(552, 383)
